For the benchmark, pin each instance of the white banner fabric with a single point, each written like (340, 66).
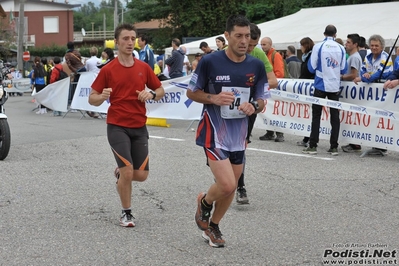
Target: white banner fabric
(17, 85)
(174, 105)
(80, 99)
(54, 95)
(368, 113)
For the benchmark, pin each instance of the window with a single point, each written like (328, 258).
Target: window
(51, 24)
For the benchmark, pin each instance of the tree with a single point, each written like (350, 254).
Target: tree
(206, 17)
(89, 13)
(8, 36)
(196, 18)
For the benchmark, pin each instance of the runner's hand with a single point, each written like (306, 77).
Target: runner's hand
(106, 93)
(247, 108)
(144, 95)
(223, 98)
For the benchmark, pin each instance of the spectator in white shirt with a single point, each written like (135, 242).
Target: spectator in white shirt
(93, 61)
(186, 62)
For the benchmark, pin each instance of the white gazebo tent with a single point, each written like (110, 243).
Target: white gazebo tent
(364, 19)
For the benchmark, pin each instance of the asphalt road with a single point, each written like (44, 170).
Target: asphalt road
(59, 206)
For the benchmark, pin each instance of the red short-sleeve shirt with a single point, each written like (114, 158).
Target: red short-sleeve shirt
(125, 109)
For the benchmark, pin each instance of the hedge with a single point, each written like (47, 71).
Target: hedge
(55, 50)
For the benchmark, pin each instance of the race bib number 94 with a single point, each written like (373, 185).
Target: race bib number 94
(231, 111)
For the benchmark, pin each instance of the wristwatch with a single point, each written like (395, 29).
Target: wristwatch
(255, 105)
(153, 94)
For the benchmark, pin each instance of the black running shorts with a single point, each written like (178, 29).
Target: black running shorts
(129, 145)
(215, 154)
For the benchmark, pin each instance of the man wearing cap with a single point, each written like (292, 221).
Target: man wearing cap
(328, 62)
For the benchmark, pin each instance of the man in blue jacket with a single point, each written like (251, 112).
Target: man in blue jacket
(146, 54)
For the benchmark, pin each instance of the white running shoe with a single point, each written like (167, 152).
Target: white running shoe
(126, 219)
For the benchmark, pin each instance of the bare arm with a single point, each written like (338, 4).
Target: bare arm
(96, 98)
(188, 66)
(223, 98)
(194, 65)
(272, 80)
(249, 109)
(160, 93)
(390, 84)
(261, 104)
(146, 95)
(351, 76)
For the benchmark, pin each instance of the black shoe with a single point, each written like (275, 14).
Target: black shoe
(279, 138)
(267, 137)
(241, 196)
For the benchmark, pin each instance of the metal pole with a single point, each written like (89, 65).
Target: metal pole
(105, 26)
(21, 27)
(116, 15)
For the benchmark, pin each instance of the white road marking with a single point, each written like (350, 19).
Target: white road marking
(294, 154)
(269, 151)
(174, 139)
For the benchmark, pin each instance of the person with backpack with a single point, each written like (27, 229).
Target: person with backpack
(277, 62)
(39, 74)
(47, 69)
(57, 73)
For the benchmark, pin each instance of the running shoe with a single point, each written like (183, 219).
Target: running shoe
(333, 151)
(267, 137)
(241, 196)
(279, 138)
(214, 237)
(126, 219)
(203, 214)
(310, 150)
